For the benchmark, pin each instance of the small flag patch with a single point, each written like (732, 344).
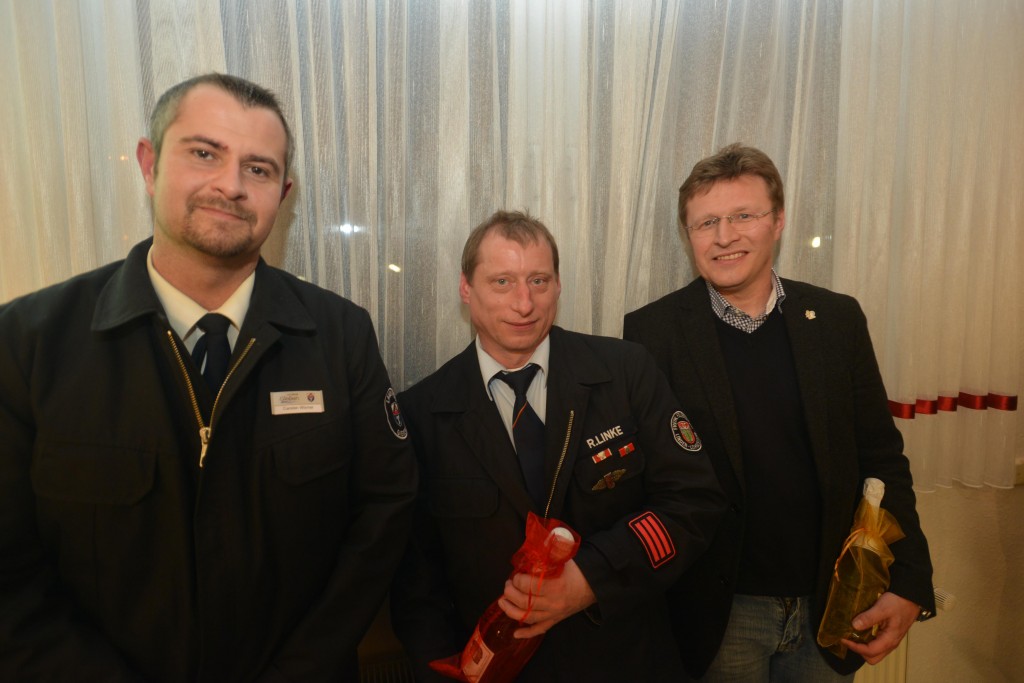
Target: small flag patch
(606, 453)
(626, 450)
(654, 537)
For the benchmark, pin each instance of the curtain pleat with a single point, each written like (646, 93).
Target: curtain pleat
(896, 126)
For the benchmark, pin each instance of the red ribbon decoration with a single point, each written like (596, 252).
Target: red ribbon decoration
(972, 401)
(924, 406)
(1000, 402)
(902, 410)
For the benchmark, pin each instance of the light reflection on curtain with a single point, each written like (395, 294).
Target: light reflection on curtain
(895, 124)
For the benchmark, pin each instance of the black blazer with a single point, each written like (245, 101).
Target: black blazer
(851, 432)
(473, 506)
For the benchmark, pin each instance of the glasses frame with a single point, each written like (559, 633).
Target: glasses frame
(698, 227)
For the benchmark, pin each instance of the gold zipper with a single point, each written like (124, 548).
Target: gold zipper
(561, 461)
(205, 432)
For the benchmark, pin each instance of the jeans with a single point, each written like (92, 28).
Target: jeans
(770, 639)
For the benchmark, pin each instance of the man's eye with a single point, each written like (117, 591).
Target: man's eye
(709, 223)
(203, 153)
(501, 281)
(259, 171)
(744, 216)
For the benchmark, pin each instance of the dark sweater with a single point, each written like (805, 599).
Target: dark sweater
(780, 548)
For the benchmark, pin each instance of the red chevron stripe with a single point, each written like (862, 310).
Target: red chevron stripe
(654, 537)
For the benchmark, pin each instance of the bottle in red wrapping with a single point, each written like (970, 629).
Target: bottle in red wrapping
(493, 654)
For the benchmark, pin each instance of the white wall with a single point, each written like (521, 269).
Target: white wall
(977, 545)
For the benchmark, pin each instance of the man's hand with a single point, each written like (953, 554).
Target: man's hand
(894, 616)
(553, 600)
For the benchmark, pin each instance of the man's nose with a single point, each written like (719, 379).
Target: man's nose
(725, 232)
(230, 183)
(522, 298)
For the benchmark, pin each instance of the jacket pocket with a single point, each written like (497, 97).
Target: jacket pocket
(85, 473)
(611, 465)
(453, 497)
(312, 454)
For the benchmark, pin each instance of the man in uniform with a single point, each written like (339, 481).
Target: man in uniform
(616, 462)
(203, 476)
(782, 380)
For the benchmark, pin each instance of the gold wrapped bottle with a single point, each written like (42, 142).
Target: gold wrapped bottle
(861, 572)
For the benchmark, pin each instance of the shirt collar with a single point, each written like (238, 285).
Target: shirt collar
(739, 319)
(490, 367)
(183, 313)
(722, 307)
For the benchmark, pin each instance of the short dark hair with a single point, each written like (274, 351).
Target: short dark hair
(518, 226)
(729, 163)
(246, 92)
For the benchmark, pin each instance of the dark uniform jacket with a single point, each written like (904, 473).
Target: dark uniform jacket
(852, 437)
(603, 395)
(121, 559)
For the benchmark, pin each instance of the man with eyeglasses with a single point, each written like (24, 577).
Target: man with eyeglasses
(782, 378)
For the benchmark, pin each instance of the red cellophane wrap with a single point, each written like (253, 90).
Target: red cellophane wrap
(493, 654)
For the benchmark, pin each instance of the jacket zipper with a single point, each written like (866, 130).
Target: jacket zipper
(205, 431)
(561, 461)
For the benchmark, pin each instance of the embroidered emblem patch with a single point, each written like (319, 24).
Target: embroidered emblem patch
(608, 481)
(626, 450)
(654, 537)
(394, 415)
(683, 432)
(603, 455)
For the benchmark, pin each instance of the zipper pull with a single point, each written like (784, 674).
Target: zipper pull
(204, 436)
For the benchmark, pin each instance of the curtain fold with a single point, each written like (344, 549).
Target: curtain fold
(896, 126)
(930, 153)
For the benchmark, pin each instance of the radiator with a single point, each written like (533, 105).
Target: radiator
(892, 669)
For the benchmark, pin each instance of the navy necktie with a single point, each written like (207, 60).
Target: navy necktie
(527, 431)
(214, 348)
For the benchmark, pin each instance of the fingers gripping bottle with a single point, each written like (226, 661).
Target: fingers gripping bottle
(493, 654)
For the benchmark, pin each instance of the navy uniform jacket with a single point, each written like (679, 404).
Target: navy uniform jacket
(474, 502)
(851, 432)
(121, 559)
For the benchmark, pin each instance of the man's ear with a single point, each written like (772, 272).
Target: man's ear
(146, 156)
(464, 288)
(780, 223)
(286, 188)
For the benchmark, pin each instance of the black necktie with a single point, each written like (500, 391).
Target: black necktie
(527, 431)
(214, 347)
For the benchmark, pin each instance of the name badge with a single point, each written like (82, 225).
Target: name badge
(288, 402)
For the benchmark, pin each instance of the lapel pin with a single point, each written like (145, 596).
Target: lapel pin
(810, 314)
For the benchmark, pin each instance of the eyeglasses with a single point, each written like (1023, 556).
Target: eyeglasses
(742, 221)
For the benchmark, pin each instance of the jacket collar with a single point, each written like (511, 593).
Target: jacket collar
(573, 370)
(129, 294)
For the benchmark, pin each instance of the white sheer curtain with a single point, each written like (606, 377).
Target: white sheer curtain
(896, 125)
(930, 166)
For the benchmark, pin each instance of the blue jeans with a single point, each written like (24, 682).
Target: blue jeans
(770, 640)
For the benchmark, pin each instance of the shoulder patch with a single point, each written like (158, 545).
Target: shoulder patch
(394, 415)
(683, 432)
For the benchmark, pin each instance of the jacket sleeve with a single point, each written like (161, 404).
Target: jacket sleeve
(641, 555)
(423, 610)
(42, 634)
(880, 453)
(383, 490)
